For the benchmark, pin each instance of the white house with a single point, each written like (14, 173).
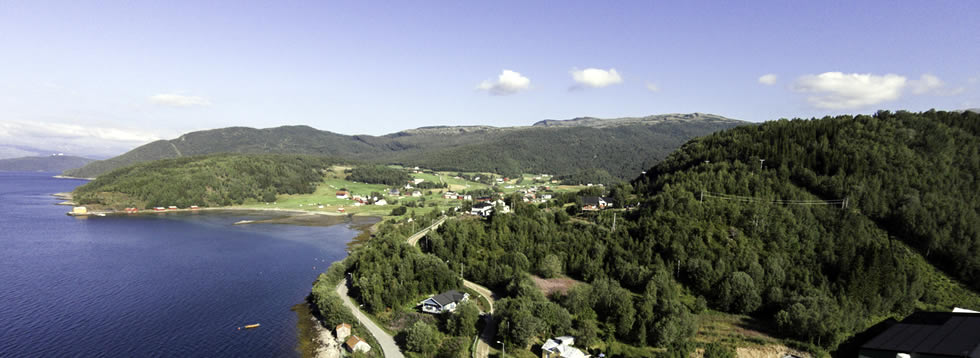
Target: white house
(381, 202)
(342, 331)
(482, 209)
(561, 347)
(342, 195)
(444, 302)
(416, 193)
(356, 344)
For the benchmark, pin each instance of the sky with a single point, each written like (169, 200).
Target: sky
(101, 77)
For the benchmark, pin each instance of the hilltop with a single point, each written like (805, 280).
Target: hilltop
(622, 147)
(51, 163)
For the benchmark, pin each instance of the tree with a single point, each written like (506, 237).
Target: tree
(463, 321)
(421, 337)
(550, 266)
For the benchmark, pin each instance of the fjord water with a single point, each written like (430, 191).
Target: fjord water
(149, 285)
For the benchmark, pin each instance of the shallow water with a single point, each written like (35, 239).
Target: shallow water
(175, 284)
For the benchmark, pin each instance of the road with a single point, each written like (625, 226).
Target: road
(387, 342)
(490, 329)
(412, 240)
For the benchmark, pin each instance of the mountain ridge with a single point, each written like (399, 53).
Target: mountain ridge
(51, 163)
(439, 146)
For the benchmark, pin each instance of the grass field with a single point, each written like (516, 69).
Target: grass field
(324, 199)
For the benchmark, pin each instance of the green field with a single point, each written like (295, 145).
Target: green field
(324, 199)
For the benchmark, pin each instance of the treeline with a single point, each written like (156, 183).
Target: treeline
(209, 180)
(388, 272)
(622, 151)
(914, 174)
(770, 238)
(621, 300)
(379, 174)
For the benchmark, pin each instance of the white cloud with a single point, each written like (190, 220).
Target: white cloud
(836, 90)
(652, 87)
(929, 84)
(508, 82)
(768, 79)
(73, 138)
(178, 100)
(595, 77)
(925, 84)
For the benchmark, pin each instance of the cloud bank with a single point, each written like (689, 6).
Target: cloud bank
(508, 82)
(177, 100)
(836, 90)
(73, 138)
(596, 78)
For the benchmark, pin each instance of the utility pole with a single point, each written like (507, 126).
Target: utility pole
(760, 164)
(614, 222)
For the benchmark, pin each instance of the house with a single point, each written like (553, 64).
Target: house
(159, 208)
(503, 206)
(483, 209)
(394, 192)
(449, 195)
(79, 210)
(927, 334)
(343, 195)
(356, 344)
(416, 193)
(444, 302)
(561, 347)
(171, 207)
(194, 207)
(342, 331)
(596, 203)
(381, 202)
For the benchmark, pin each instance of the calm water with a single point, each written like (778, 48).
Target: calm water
(149, 285)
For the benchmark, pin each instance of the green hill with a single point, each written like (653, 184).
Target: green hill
(842, 226)
(209, 180)
(51, 163)
(833, 228)
(622, 146)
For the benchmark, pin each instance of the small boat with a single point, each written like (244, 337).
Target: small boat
(244, 222)
(250, 326)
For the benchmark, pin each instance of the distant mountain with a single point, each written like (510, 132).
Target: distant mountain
(622, 146)
(52, 163)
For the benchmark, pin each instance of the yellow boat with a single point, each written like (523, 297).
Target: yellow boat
(252, 326)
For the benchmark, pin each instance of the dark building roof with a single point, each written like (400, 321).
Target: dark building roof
(934, 333)
(448, 297)
(482, 205)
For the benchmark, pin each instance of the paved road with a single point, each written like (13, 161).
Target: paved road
(412, 240)
(387, 342)
(490, 329)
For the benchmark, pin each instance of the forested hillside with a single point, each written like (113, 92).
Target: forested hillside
(622, 146)
(210, 180)
(832, 232)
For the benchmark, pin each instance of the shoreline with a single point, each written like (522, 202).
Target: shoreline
(71, 177)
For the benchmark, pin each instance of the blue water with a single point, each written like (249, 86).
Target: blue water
(149, 285)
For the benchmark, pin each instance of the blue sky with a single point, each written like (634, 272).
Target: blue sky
(103, 77)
